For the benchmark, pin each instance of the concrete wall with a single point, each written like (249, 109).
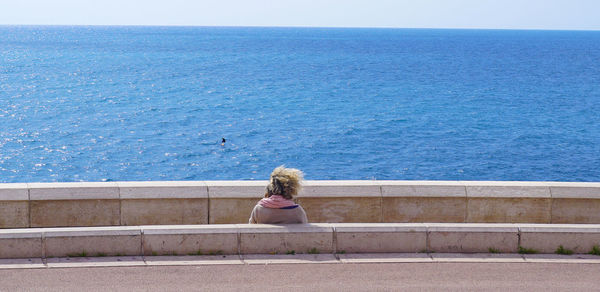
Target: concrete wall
(230, 202)
(325, 238)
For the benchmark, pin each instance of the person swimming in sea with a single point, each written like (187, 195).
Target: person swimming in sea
(223, 141)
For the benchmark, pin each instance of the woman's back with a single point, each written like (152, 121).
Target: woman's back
(266, 215)
(278, 207)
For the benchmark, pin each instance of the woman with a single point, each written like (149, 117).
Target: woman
(277, 207)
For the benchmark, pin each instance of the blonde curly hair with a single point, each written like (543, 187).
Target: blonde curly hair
(285, 182)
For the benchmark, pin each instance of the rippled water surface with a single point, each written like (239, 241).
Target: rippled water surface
(152, 103)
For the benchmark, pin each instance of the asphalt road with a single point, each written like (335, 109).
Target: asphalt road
(313, 277)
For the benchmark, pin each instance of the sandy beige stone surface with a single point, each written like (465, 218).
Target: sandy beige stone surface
(164, 211)
(93, 212)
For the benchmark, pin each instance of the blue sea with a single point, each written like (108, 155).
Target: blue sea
(153, 103)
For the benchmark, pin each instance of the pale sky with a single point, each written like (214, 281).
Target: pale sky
(500, 14)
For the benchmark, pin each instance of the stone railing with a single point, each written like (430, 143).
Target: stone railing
(325, 238)
(226, 202)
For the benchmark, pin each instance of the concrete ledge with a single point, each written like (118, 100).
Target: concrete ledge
(14, 214)
(341, 201)
(444, 189)
(163, 190)
(236, 189)
(574, 210)
(14, 206)
(509, 189)
(190, 240)
(424, 209)
(20, 243)
(230, 202)
(14, 192)
(340, 188)
(262, 259)
(166, 211)
(547, 238)
(193, 260)
(283, 239)
(382, 237)
(342, 209)
(268, 259)
(477, 258)
(88, 262)
(359, 258)
(581, 190)
(575, 202)
(73, 204)
(92, 241)
(73, 191)
(473, 238)
(91, 231)
(311, 239)
(24, 263)
(558, 258)
(66, 213)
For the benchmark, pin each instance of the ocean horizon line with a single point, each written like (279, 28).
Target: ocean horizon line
(297, 27)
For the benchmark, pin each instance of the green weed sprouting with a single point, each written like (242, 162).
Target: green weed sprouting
(523, 250)
(196, 253)
(493, 250)
(595, 250)
(313, 250)
(78, 255)
(562, 250)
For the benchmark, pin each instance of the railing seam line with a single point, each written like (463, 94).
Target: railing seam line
(239, 242)
(519, 237)
(44, 259)
(427, 240)
(142, 236)
(335, 243)
(207, 204)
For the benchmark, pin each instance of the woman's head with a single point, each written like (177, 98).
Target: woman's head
(284, 182)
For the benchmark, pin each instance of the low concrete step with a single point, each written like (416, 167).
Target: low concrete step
(319, 238)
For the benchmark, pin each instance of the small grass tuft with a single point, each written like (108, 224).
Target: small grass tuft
(313, 250)
(218, 252)
(562, 250)
(341, 252)
(290, 252)
(595, 250)
(100, 254)
(523, 250)
(493, 250)
(154, 253)
(78, 255)
(197, 253)
(119, 254)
